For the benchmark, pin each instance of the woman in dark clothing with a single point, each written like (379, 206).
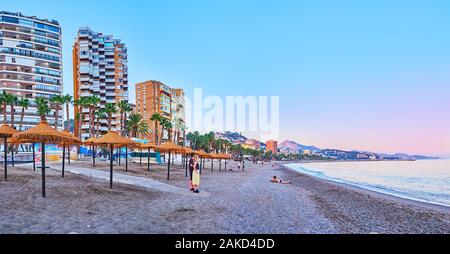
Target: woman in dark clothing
(191, 169)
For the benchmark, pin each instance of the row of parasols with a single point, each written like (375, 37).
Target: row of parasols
(44, 134)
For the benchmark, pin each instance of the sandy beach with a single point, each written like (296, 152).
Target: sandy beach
(239, 202)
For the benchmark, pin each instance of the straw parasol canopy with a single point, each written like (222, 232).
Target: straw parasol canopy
(16, 141)
(72, 139)
(7, 131)
(188, 150)
(42, 133)
(214, 155)
(113, 138)
(225, 156)
(90, 141)
(170, 147)
(148, 145)
(202, 154)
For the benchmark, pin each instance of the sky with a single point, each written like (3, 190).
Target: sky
(352, 75)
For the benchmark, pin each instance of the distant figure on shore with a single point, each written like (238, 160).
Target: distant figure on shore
(195, 175)
(276, 180)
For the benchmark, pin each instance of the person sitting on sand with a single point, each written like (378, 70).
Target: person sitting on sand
(275, 180)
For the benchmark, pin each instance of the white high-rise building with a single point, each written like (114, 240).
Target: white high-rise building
(100, 69)
(30, 63)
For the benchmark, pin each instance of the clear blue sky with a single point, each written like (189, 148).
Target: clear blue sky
(350, 74)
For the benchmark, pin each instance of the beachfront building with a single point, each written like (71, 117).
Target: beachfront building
(252, 144)
(30, 64)
(155, 97)
(272, 145)
(100, 68)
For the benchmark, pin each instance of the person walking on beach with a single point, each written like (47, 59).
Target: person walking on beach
(195, 175)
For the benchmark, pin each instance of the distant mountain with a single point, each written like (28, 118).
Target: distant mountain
(289, 145)
(231, 136)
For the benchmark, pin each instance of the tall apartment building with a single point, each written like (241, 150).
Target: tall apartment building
(156, 97)
(100, 69)
(272, 145)
(30, 63)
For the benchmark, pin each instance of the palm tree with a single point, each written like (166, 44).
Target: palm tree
(4, 103)
(99, 115)
(67, 99)
(56, 102)
(24, 103)
(92, 104)
(166, 125)
(210, 140)
(124, 108)
(110, 109)
(156, 117)
(43, 108)
(178, 125)
(13, 99)
(193, 139)
(6, 99)
(80, 103)
(136, 125)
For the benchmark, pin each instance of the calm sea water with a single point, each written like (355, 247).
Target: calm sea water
(426, 180)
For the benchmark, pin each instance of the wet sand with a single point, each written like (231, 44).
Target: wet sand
(240, 202)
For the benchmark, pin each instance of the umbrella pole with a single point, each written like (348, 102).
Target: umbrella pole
(212, 165)
(111, 168)
(34, 157)
(201, 165)
(12, 154)
(225, 165)
(118, 154)
(168, 168)
(140, 158)
(68, 155)
(63, 159)
(43, 168)
(148, 158)
(185, 164)
(94, 154)
(126, 159)
(220, 165)
(6, 159)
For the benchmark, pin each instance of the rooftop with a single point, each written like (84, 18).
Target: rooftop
(18, 14)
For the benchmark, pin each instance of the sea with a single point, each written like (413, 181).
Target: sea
(423, 180)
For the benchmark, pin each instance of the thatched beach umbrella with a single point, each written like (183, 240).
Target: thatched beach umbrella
(170, 148)
(224, 157)
(148, 146)
(71, 140)
(213, 156)
(6, 132)
(113, 139)
(42, 133)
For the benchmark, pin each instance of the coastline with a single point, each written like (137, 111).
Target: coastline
(240, 202)
(376, 194)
